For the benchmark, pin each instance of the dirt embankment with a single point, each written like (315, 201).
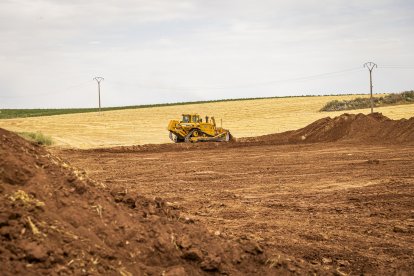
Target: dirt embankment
(54, 220)
(358, 128)
(347, 128)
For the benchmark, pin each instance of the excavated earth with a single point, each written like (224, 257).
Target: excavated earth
(336, 197)
(55, 220)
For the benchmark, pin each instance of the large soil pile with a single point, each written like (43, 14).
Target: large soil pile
(359, 128)
(54, 220)
(347, 128)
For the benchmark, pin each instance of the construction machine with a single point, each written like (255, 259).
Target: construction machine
(191, 128)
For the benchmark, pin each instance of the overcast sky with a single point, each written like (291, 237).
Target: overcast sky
(158, 51)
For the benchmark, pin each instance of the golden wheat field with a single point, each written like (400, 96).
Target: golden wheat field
(148, 125)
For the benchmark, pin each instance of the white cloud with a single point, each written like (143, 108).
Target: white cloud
(157, 51)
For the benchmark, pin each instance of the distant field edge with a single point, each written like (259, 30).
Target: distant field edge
(392, 99)
(38, 112)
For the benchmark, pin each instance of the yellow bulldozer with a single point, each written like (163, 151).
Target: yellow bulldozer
(191, 128)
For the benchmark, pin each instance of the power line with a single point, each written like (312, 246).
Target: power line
(311, 77)
(248, 85)
(396, 67)
(304, 78)
(49, 93)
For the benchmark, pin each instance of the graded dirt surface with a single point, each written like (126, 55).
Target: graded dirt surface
(335, 197)
(342, 201)
(148, 125)
(54, 220)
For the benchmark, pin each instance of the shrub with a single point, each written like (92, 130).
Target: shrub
(37, 137)
(359, 103)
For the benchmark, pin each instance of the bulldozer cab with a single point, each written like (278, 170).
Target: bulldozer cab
(190, 118)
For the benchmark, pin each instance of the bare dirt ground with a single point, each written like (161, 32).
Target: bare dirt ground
(54, 220)
(335, 197)
(346, 206)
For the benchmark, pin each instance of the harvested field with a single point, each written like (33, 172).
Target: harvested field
(342, 199)
(148, 126)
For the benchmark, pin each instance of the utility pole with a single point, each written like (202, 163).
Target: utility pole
(370, 65)
(98, 80)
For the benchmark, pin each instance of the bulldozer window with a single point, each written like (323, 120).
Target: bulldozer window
(186, 119)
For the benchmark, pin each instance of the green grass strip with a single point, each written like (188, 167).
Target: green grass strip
(37, 137)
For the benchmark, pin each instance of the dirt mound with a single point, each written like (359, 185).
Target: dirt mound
(348, 128)
(54, 220)
(360, 128)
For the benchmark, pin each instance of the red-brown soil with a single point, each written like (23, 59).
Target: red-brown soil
(340, 199)
(352, 128)
(54, 220)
